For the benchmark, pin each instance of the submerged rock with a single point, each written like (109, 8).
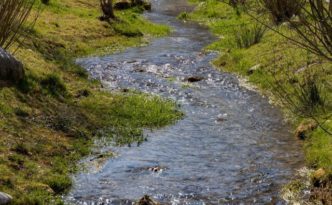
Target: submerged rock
(193, 79)
(146, 200)
(11, 70)
(156, 169)
(5, 198)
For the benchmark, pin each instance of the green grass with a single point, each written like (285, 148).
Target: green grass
(276, 59)
(50, 119)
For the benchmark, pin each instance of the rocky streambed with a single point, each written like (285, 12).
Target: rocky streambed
(232, 147)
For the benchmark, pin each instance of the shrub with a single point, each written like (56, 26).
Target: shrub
(248, 35)
(305, 98)
(282, 10)
(13, 15)
(315, 31)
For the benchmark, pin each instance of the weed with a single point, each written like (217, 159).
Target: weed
(248, 35)
(54, 85)
(59, 183)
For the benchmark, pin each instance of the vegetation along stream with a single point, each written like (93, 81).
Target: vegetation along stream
(232, 146)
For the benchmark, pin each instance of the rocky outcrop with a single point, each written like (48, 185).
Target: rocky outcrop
(11, 70)
(5, 198)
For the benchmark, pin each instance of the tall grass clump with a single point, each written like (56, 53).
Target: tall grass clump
(247, 35)
(13, 15)
(305, 97)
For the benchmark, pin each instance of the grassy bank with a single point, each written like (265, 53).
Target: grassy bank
(48, 121)
(266, 61)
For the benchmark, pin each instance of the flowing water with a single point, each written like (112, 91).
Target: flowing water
(232, 146)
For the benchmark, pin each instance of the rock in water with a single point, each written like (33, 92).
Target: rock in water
(146, 200)
(5, 198)
(11, 70)
(194, 79)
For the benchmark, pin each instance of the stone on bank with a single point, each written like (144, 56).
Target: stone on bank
(11, 70)
(5, 198)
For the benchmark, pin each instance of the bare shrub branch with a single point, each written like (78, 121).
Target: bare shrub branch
(13, 15)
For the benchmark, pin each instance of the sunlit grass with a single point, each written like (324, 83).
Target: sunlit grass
(275, 59)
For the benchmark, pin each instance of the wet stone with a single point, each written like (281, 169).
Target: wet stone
(194, 79)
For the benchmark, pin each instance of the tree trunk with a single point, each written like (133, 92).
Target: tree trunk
(107, 8)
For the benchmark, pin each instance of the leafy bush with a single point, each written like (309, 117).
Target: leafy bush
(248, 35)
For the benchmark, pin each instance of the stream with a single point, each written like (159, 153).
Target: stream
(232, 147)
